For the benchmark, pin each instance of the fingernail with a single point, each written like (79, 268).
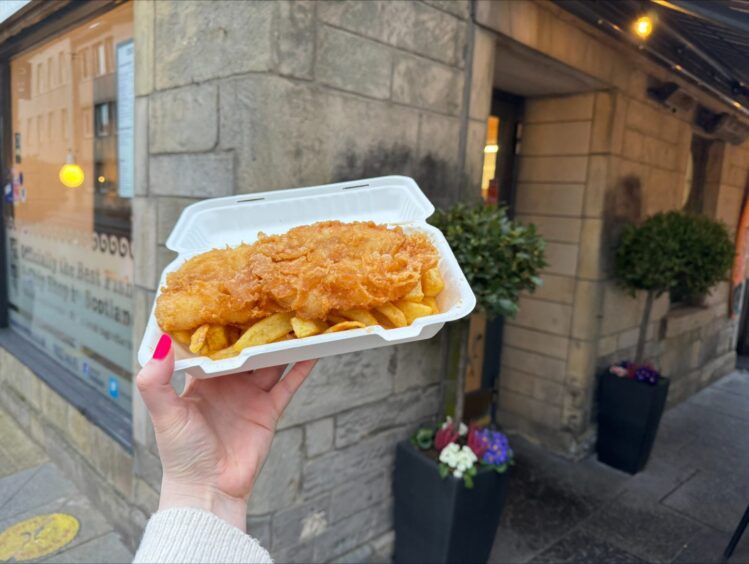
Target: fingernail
(162, 348)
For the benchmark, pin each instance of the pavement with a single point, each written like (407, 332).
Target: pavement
(43, 517)
(682, 508)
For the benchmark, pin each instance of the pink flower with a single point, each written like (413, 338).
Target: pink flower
(476, 441)
(444, 436)
(619, 371)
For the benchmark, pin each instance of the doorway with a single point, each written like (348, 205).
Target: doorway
(498, 185)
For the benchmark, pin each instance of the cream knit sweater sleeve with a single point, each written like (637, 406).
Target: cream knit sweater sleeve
(184, 534)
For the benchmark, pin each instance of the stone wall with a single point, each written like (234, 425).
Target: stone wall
(589, 163)
(237, 97)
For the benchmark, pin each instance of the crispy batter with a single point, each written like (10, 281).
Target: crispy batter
(310, 270)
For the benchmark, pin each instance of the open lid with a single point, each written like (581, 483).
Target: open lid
(219, 222)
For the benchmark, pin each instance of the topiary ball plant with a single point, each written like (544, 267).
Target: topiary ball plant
(500, 258)
(683, 253)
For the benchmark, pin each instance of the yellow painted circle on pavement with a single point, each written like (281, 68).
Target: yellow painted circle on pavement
(37, 537)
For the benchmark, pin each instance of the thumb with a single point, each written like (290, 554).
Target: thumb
(154, 381)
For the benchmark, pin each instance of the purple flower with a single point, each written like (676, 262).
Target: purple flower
(498, 451)
(647, 374)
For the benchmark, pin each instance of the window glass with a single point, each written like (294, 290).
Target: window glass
(67, 206)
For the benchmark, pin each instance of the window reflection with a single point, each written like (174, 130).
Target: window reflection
(67, 203)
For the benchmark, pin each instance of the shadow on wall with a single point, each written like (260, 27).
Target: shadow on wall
(623, 205)
(440, 179)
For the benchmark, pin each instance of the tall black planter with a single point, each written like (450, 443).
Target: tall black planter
(440, 520)
(628, 416)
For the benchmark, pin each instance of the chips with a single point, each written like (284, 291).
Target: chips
(360, 315)
(219, 342)
(345, 326)
(413, 310)
(306, 328)
(432, 282)
(393, 315)
(416, 294)
(265, 331)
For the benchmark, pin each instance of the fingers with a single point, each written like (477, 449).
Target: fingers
(266, 378)
(154, 381)
(284, 390)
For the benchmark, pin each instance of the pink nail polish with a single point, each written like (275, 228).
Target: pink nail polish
(162, 348)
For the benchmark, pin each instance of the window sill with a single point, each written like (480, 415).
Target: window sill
(112, 419)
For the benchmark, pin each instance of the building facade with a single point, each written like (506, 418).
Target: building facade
(209, 99)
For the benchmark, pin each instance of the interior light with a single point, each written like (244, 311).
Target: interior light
(71, 175)
(643, 27)
(101, 180)
(491, 149)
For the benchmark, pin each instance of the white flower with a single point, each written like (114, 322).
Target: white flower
(462, 429)
(458, 474)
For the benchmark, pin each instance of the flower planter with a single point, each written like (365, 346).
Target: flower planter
(440, 520)
(628, 416)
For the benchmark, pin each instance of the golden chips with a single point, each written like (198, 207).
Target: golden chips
(219, 342)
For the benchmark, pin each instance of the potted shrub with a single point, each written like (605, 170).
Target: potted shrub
(670, 252)
(447, 501)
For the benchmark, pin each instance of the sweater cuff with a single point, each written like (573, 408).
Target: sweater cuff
(185, 534)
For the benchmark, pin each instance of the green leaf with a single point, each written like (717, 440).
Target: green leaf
(468, 480)
(500, 257)
(444, 471)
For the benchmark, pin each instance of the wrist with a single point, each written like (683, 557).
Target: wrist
(233, 510)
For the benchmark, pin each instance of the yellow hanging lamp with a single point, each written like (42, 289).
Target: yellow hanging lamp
(71, 174)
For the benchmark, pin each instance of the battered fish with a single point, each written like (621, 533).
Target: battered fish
(311, 270)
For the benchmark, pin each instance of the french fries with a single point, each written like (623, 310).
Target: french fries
(265, 331)
(345, 326)
(432, 282)
(360, 315)
(431, 302)
(416, 294)
(220, 342)
(393, 314)
(413, 310)
(198, 339)
(306, 328)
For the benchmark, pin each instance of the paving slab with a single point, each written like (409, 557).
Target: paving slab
(716, 499)
(736, 383)
(17, 452)
(637, 523)
(10, 485)
(682, 507)
(579, 547)
(92, 523)
(106, 548)
(723, 401)
(548, 497)
(708, 547)
(46, 485)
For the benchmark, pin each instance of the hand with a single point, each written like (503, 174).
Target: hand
(214, 438)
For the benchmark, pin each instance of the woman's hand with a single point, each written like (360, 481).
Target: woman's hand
(214, 438)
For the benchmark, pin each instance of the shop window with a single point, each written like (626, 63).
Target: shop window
(68, 252)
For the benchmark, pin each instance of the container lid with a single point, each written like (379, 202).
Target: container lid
(219, 222)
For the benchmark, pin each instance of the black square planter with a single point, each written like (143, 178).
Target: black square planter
(440, 520)
(628, 416)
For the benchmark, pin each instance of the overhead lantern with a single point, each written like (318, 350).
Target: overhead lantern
(71, 174)
(643, 26)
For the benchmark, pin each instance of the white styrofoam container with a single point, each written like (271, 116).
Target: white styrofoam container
(230, 221)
